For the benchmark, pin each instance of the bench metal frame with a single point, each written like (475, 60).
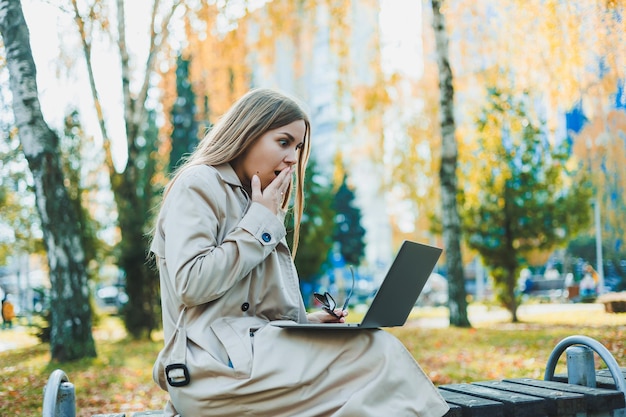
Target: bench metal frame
(592, 344)
(59, 398)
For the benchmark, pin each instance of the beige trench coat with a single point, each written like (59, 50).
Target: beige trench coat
(225, 272)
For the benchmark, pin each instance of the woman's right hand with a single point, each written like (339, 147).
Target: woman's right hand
(273, 195)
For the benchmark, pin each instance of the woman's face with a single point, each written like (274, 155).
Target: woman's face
(274, 151)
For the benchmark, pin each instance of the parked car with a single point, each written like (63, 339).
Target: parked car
(111, 298)
(435, 292)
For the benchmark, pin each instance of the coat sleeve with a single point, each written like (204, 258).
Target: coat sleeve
(201, 267)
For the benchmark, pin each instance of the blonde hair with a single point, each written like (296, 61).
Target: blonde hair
(255, 113)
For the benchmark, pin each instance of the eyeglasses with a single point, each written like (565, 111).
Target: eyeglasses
(328, 302)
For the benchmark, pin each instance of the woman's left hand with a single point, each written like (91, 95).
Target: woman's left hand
(322, 316)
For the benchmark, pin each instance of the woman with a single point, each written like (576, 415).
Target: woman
(226, 271)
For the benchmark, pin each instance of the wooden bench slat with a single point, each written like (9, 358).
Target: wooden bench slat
(151, 413)
(109, 415)
(604, 378)
(607, 372)
(454, 411)
(557, 403)
(473, 406)
(598, 399)
(515, 405)
(602, 381)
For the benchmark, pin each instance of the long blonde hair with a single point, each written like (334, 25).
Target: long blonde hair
(255, 113)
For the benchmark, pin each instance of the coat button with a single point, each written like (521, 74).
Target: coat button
(245, 306)
(266, 237)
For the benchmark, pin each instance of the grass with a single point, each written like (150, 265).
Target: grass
(120, 378)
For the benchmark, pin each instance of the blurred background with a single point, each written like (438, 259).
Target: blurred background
(130, 87)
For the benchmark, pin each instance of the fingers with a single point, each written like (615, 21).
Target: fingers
(322, 316)
(337, 317)
(282, 181)
(256, 188)
(341, 314)
(273, 195)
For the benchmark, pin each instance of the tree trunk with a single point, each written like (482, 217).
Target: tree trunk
(457, 302)
(142, 283)
(511, 296)
(71, 336)
(131, 187)
(509, 259)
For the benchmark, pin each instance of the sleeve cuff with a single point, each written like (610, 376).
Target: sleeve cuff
(260, 222)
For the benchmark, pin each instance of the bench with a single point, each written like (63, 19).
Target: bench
(531, 398)
(582, 392)
(614, 302)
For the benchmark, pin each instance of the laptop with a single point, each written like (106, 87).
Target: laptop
(397, 294)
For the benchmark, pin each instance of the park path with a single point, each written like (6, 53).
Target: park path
(20, 336)
(17, 337)
(479, 314)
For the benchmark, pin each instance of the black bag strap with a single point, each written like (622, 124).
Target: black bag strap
(176, 370)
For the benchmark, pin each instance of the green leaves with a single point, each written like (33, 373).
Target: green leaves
(316, 229)
(522, 198)
(348, 230)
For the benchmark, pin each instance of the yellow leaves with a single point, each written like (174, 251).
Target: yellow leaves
(601, 147)
(553, 47)
(218, 63)
(339, 170)
(537, 257)
(370, 98)
(283, 21)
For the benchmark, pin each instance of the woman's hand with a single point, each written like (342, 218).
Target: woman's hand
(273, 195)
(322, 316)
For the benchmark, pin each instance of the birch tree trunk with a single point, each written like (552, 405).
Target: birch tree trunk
(457, 302)
(132, 187)
(71, 336)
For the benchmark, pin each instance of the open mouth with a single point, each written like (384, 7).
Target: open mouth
(276, 173)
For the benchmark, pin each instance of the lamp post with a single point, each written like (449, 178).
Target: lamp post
(597, 148)
(598, 227)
